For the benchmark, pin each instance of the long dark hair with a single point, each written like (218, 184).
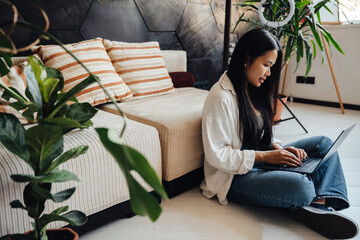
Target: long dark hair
(250, 46)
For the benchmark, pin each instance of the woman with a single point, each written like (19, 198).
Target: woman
(237, 138)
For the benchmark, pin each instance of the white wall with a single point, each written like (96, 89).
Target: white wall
(346, 68)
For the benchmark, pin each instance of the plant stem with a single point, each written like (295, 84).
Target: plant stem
(14, 94)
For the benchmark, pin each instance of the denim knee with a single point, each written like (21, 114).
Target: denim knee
(326, 140)
(305, 191)
(322, 145)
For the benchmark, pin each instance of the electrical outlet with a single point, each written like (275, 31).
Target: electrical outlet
(306, 80)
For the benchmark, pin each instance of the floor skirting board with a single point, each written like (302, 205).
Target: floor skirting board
(325, 103)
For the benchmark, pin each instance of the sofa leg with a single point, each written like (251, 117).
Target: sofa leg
(184, 183)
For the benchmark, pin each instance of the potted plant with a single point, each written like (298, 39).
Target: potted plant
(301, 35)
(41, 146)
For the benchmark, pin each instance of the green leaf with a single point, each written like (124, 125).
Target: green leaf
(300, 46)
(332, 40)
(88, 124)
(49, 86)
(29, 113)
(26, 178)
(315, 33)
(60, 176)
(18, 106)
(60, 210)
(5, 61)
(302, 3)
(74, 218)
(62, 111)
(314, 48)
(14, 94)
(56, 151)
(34, 206)
(129, 159)
(43, 194)
(33, 87)
(75, 90)
(40, 193)
(66, 124)
(7, 95)
(54, 73)
(142, 203)
(41, 139)
(17, 204)
(308, 58)
(70, 154)
(63, 195)
(12, 137)
(81, 112)
(53, 177)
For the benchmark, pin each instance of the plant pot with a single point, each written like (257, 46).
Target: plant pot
(279, 108)
(60, 234)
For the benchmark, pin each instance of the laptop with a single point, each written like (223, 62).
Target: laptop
(309, 165)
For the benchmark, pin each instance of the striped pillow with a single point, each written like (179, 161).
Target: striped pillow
(142, 67)
(93, 54)
(16, 79)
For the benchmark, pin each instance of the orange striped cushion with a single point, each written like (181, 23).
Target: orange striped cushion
(142, 67)
(16, 79)
(93, 54)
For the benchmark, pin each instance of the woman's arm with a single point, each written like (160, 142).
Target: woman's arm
(290, 156)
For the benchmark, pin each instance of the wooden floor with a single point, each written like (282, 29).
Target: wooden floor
(191, 216)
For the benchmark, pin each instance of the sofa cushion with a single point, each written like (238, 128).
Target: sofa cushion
(93, 54)
(177, 117)
(141, 66)
(102, 182)
(182, 79)
(16, 79)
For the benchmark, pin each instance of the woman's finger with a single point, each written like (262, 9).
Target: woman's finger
(293, 159)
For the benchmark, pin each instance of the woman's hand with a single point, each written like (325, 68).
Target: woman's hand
(289, 156)
(299, 153)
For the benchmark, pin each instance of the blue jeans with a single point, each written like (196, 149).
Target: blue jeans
(293, 190)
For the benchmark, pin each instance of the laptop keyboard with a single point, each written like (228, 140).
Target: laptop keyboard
(308, 165)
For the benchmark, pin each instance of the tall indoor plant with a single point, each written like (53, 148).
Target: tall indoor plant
(301, 34)
(41, 146)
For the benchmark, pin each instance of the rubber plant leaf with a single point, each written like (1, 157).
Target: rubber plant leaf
(41, 139)
(142, 202)
(12, 134)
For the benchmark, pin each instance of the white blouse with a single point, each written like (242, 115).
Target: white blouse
(222, 141)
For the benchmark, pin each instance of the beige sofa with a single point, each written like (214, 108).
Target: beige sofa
(166, 129)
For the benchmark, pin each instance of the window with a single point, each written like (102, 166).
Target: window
(351, 9)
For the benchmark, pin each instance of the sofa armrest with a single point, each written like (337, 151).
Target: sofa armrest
(182, 79)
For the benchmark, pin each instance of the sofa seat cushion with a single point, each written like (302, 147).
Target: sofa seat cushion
(102, 183)
(177, 117)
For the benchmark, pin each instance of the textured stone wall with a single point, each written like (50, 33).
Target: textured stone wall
(196, 26)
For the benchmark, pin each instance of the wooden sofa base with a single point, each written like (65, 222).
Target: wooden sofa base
(184, 183)
(119, 211)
